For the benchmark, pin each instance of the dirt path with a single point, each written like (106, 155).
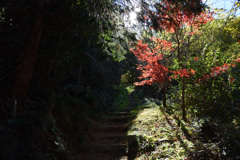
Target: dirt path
(110, 143)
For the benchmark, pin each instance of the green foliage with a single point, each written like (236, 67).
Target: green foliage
(121, 99)
(128, 78)
(130, 89)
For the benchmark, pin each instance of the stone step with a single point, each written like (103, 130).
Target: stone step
(117, 119)
(115, 128)
(110, 139)
(128, 109)
(109, 136)
(104, 156)
(108, 148)
(110, 123)
(122, 113)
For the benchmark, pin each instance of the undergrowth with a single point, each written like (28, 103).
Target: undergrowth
(164, 136)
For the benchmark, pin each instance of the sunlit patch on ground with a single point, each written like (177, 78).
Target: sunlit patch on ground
(161, 136)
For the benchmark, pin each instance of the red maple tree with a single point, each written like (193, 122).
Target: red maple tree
(153, 70)
(154, 67)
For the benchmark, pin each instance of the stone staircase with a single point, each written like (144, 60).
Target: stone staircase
(110, 143)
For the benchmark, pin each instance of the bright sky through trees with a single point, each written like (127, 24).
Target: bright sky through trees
(133, 16)
(224, 4)
(131, 19)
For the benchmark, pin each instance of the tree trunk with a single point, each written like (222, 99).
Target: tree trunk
(183, 80)
(164, 97)
(183, 99)
(29, 54)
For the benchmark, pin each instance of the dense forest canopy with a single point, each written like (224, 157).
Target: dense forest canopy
(64, 63)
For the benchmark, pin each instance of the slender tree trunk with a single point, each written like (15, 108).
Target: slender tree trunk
(183, 99)
(164, 97)
(29, 54)
(183, 80)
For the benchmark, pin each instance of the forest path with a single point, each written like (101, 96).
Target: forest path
(110, 142)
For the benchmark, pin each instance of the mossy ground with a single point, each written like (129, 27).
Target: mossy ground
(164, 136)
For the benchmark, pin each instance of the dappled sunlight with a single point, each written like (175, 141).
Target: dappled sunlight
(161, 135)
(119, 80)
